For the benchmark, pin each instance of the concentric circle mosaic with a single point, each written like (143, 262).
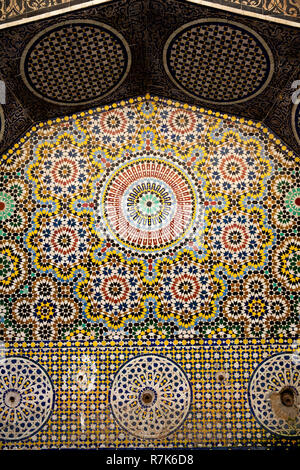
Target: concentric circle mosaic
(75, 62)
(26, 398)
(83, 373)
(218, 61)
(149, 220)
(274, 394)
(149, 204)
(150, 396)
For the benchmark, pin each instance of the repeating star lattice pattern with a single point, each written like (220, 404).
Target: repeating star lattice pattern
(200, 239)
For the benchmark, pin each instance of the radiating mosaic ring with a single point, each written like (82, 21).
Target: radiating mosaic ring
(75, 62)
(26, 398)
(150, 396)
(149, 204)
(274, 394)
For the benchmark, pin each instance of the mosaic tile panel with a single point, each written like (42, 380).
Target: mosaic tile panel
(75, 62)
(295, 118)
(231, 63)
(88, 254)
(218, 372)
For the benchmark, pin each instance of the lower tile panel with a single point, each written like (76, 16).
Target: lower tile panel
(82, 375)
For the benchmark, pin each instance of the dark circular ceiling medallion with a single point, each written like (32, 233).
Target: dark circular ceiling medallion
(217, 61)
(26, 398)
(75, 62)
(150, 396)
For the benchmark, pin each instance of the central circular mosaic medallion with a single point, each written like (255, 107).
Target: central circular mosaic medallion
(150, 396)
(26, 398)
(148, 204)
(218, 61)
(75, 62)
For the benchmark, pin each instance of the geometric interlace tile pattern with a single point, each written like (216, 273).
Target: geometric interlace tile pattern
(149, 220)
(75, 62)
(149, 268)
